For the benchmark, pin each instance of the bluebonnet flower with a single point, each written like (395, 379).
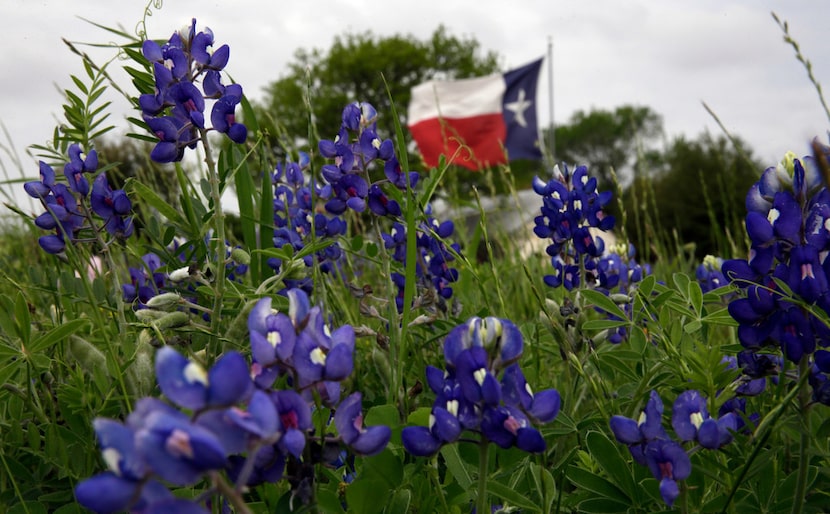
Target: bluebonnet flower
(174, 112)
(788, 224)
(187, 384)
(571, 206)
(125, 484)
(70, 207)
(669, 463)
(229, 418)
(470, 396)
(297, 222)
(650, 445)
(691, 422)
(361, 439)
(354, 155)
(709, 274)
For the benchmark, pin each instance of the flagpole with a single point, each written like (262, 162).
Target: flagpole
(551, 128)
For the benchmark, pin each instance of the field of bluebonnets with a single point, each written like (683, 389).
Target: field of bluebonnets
(341, 348)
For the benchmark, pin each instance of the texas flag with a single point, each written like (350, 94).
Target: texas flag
(473, 121)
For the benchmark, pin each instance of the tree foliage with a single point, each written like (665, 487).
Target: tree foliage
(693, 190)
(354, 69)
(603, 139)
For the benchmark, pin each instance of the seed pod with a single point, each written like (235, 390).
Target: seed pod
(88, 356)
(381, 361)
(149, 315)
(165, 302)
(172, 320)
(240, 256)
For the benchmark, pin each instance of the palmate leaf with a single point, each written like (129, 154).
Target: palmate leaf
(512, 497)
(598, 485)
(607, 455)
(603, 302)
(152, 198)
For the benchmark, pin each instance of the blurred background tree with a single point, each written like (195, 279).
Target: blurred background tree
(351, 70)
(692, 192)
(604, 139)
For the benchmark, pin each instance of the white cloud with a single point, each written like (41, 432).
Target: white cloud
(668, 55)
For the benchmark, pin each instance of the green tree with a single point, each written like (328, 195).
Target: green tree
(354, 69)
(603, 139)
(694, 189)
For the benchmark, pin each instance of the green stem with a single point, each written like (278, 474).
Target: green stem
(433, 475)
(761, 434)
(230, 493)
(803, 458)
(219, 236)
(488, 245)
(482, 505)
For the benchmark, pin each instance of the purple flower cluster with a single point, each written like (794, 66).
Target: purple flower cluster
(146, 281)
(355, 152)
(296, 220)
(709, 274)
(470, 397)
(68, 204)
(617, 272)
(229, 418)
(786, 273)
(175, 111)
(666, 458)
(571, 206)
(433, 257)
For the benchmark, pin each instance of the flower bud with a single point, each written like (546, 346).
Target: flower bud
(148, 315)
(240, 256)
(165, 302)
(172, 320)
(179, 274)
(88, 356)
(620, 298)
(381, 361)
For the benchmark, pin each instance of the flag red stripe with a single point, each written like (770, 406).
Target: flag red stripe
(445, 136)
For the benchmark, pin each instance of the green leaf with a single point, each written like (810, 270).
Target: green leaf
(382, 415)
(720, 317)
(692, 326)
(56, 334)
(457, 467)
(602, 324)
(646, 286)
(603, 505)
(695, 296)
(601, 301)
(366, 496)
(544, 484)
(607, 455)
(384, 467)
(419, 417)
(511, 496)
(596, 484)
(29, 507)
(24, 322)
(152, 199)
(400, 502)
(329, 503)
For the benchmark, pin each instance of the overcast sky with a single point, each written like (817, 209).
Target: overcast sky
(668, 55)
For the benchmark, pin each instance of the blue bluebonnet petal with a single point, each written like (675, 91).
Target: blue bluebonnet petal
(419, 441)
(183, 381)
(228, 380)
(107, 492)
(626, 430)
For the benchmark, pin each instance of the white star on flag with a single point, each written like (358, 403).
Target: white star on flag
(518, 108)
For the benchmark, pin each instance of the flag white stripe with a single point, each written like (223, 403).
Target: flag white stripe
(456, 98)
